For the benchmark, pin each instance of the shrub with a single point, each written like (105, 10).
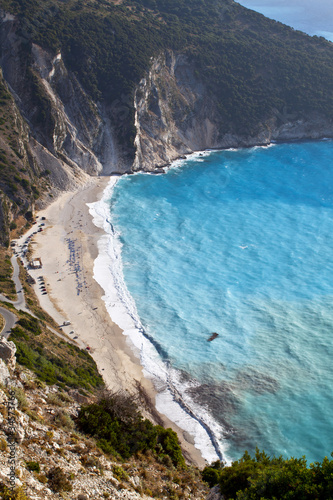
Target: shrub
(34, 416)
(42, 478)
(3, 445)
(21, 398)
(53, 369)
(49, 436)
(65, 397)
(8, 494)
(211, 473)
(29, 216)
(119, 473)
(31, 324)
(105, 446)
(18, 333)
(126, 437)
(33, 466)
(211, 476)
(57, 480)
(263, 477)
(30, 385)
(54, 399)
(119, 427)
(64, 420)
(168, 439)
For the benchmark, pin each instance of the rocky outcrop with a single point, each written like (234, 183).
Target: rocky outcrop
(7, 352)
(70, 136)
(215, 494)
(41, 437)
(176, 115)
(4, 373)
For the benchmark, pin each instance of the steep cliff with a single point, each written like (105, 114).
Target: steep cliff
(176, 114)
(69, 134)
(123, 86)
(53, 136)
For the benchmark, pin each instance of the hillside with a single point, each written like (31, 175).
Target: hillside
(55, 456)
(106, 86)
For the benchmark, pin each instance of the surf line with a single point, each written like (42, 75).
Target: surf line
(180, 401)
(101, 210)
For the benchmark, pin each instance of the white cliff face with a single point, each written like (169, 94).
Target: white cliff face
(175, 115)
(82, 130)
(69, 136)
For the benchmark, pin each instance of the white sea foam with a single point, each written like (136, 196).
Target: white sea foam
(171, 400)
(196, 156)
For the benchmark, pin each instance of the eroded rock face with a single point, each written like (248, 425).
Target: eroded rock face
(4, 373)
(176, 115)
(7, 353)
(215, 494)
(70, 135)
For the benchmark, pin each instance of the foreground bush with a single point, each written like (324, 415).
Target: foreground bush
(265, 478)
(117, 424)
(57, 480)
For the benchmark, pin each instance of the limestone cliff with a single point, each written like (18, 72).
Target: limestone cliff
(67, 136)
(176, 115)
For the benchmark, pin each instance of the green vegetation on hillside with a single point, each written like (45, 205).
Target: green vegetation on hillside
(265, 478)
(255, 67)
(16, 180)
(117, 424)
(7, 286)
(53, 360)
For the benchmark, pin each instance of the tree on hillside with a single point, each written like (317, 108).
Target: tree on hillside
(266, 478)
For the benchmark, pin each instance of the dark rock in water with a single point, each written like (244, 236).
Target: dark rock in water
(158, 171)
(212, 337)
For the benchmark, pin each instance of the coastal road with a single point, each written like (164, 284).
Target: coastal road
(20, 302)
(10, 320)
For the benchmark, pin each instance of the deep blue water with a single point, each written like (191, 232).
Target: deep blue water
(314, 18)
(240, 243)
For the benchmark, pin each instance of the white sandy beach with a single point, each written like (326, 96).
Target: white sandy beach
(70, 239)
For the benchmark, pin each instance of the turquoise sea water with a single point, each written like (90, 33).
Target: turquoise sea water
(240, 243)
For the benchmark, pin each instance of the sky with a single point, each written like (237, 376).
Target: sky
(315, 17)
